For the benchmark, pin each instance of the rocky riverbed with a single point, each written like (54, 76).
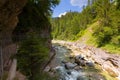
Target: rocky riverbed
(80, 62)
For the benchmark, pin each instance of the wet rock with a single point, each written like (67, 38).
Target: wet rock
(63, 61)
(47, 69)
(70, 65)
(80, 62)
(71, 57)
(79, 57)
(72, 61)
(90, 64)
(108, 62)
(52, 70)
(69, 72)
(81, 78)
(78, 68)
(77, 61)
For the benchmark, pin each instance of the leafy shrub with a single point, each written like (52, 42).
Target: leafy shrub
(115, 40)
(31, 55)
(103, 35)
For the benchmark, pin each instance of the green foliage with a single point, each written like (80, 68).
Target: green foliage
(109, 24)
(34, 17)
(70, 26)
(118, 4)
(45, 6)
(115, 40)
(106, 33)
(103, 35)
(112, 48)
(31, 55)
(33, 34)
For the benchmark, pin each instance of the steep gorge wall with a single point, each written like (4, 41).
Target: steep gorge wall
(9, 10)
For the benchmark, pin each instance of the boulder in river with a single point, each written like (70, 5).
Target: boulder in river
(78, 68)
(81, 57)
(63, 61)
(70, 65)
(82, 78)
(80, 62)
(47, 69)
(90, 64)
(69, 72)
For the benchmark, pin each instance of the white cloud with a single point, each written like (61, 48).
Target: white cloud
(62, 14)
(79, 3)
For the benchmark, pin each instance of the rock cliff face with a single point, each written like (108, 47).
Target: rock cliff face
(9, 10)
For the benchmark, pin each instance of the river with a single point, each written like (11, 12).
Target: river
(78, 64)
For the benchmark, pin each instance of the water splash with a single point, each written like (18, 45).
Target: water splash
(70, 74)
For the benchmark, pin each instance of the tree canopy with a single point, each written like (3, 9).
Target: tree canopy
(105, 12)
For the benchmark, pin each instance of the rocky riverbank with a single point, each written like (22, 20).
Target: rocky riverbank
(109, 63)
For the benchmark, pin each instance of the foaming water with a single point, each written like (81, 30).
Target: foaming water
(75, 68)
(66, 74)
(70, 74)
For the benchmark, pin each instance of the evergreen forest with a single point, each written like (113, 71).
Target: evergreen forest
(83, 45)
(99, 20)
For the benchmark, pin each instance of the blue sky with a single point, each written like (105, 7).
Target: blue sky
(67, 5)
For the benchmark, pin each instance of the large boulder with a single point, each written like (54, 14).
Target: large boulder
(78, 68)
(80, 62)
(79, 57)
(90, 64)
(70, 65)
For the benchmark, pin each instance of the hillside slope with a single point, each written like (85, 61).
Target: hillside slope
(98, 25)
(89, 39)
